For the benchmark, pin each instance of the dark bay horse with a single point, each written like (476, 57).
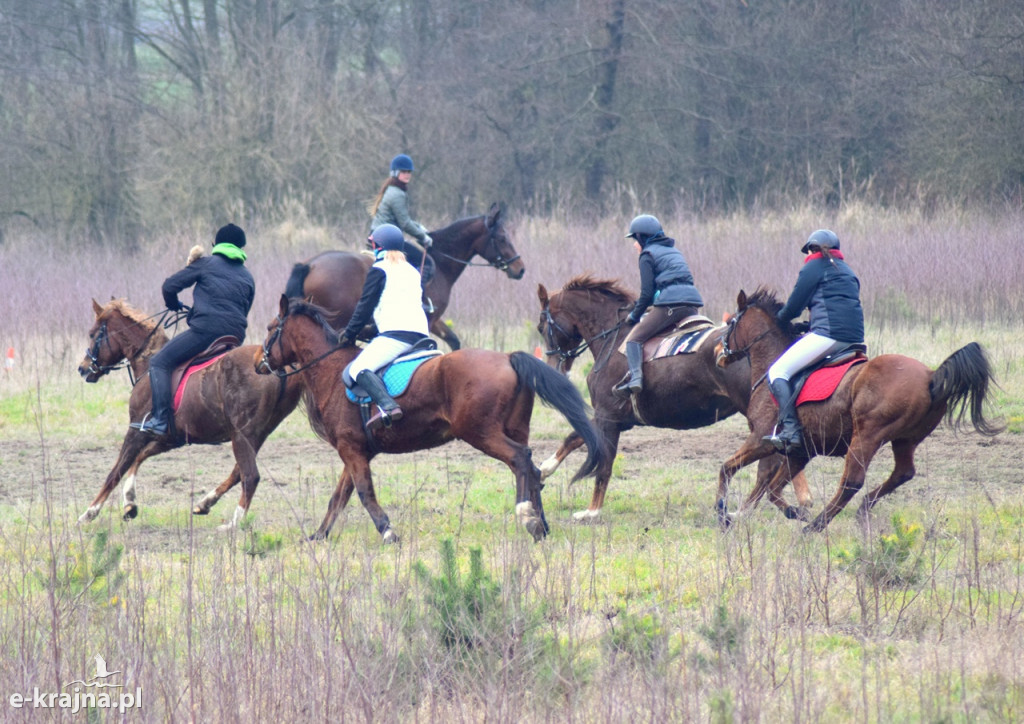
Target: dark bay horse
(682, 392)
(226, 401)
(888, 399)
(334, 279)
(482, 397)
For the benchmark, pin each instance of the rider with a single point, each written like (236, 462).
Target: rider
(392, 207)
(391, 295)
(831, 290)
(223, 294)
(667, 293)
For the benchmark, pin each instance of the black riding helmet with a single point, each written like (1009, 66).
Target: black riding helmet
(823, 239)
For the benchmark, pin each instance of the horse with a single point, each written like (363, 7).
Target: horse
(225, 401)
(482, 397)
(889, 398)
(681, 392)
(334, 279)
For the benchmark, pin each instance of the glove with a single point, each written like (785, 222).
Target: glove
(631, 320)
(801, 327)
(176, 307)
(427, 241)
(348, 341)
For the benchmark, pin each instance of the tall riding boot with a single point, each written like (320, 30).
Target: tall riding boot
(388, 410)
(635, 359)
(787, 435)
(158, 421)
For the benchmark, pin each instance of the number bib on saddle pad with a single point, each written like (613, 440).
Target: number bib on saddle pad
(396, 375)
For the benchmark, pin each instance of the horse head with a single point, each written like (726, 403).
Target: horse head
(498, 250)
(117, 338)
(754, 320)
(285, 340)
(562, 338)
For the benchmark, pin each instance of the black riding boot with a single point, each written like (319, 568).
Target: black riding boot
(158, 421)
(388, 410)
(787, 435)
(635, 359)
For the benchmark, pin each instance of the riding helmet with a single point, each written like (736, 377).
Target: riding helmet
(230, 234)
(644, 227)
(401, 162)
(388, 237)
(822, 238)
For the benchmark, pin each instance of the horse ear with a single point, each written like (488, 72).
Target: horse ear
(741, 300)
(493, 214)
(97, 308)
(542, 295)
(284, 305)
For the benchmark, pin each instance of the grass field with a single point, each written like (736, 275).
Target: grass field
(651, 613)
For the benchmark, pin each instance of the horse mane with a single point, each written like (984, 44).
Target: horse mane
(126, 310)
(611, 288)
(767, 301)
(316, 313)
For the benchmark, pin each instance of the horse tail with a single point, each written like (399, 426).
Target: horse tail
(294, 288)
(962, 383)
(555, 390)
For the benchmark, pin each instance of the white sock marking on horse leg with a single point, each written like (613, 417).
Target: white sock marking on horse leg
(585, 516)
(548, 466)
(90, 514)
(128, 490)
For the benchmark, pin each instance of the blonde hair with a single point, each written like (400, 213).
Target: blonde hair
(394, 257)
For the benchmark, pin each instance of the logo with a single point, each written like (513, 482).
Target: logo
(99, 692)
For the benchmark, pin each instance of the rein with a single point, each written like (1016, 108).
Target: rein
(275, 337)
(571, 354)
(500, 263)
(730, 355)
(168, 318)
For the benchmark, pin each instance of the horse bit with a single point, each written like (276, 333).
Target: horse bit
(569, 355)
(500, 262)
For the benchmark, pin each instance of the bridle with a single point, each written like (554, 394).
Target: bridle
(102, 337)
(275, 338)
(566, 356)
(499, 262)
(727, 355)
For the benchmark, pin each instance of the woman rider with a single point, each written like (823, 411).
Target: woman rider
(829, 288)
(392, 207)
(391, 296)
(667, 293)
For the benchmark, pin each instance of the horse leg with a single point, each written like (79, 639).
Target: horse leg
(134, 450)
(772, 475)
(245, 461)
(602, 476)
(337, 503)
(358, 469)
(751, 450)
(529, 505)
(903, 470)
(211, 498)
(439, 329)
(571, 442)
(858, 457)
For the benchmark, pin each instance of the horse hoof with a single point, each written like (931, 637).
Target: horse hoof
(794, 512)
(390, 537)
(814, 527)
(88, 516)
(548, 466)
(130, 511)
(318, 536)
(536, 528)
(587, 516)
(200, 510)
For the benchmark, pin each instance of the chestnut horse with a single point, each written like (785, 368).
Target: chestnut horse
(890, 398)
(226, 401)
(482, 397)
(681, 392)
(334, 279)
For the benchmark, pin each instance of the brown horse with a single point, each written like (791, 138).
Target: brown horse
(890, 398)
(681, 392)
(482, 397)
(226, 401)
(334, 279)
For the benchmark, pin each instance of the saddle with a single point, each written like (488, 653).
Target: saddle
(820, 380)
(396, 375)
(217, 349)
(684, 337)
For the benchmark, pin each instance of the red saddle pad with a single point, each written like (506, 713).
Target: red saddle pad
(188, 373)
(822, 383)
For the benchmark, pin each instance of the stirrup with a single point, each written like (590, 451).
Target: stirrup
(150, 425)
(384, 418)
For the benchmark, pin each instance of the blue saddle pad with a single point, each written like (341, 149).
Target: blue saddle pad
(396, 376)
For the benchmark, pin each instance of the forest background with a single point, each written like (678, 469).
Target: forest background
(122, 118)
